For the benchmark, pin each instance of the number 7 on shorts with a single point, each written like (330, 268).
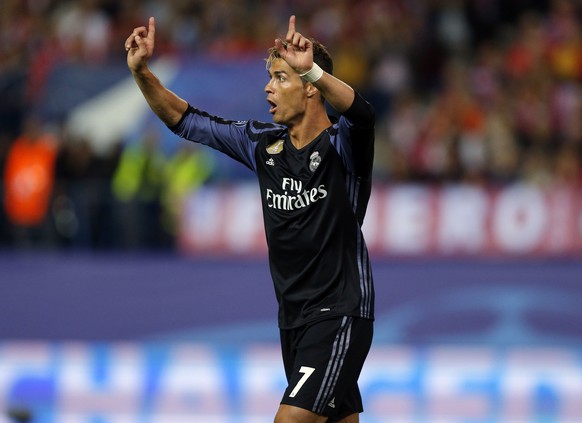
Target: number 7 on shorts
(307, 371)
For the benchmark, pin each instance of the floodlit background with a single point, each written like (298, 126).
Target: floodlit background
(133, 273)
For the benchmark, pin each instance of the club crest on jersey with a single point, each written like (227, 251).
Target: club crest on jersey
(314, 161)
(276, 147)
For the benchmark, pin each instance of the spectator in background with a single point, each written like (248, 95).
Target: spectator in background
(83, 30)
(29, 176)
(564, 40)
(187, 170)
(502, 145)
(137, 186)
(74, 192)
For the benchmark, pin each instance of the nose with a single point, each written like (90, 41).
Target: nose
(268, 88)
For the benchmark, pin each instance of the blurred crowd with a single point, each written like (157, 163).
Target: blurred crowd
(466, 91)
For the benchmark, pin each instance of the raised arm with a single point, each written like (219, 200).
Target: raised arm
(297, 51)
(140, 48)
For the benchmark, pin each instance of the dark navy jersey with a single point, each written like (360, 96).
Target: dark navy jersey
(314, 200)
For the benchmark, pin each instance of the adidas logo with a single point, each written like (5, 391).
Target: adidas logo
(270, 162)
(332, 403)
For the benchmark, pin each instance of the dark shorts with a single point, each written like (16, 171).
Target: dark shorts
(323, 361)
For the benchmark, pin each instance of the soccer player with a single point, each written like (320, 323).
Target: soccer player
(315, 181)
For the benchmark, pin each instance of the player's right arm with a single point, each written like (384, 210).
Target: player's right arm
(140, 47)
(189, 123)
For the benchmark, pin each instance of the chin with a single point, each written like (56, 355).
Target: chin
(278, 121)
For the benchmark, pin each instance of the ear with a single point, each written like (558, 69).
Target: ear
(311, 90)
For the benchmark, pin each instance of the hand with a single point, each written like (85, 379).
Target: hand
(296, 50)
(140, 46)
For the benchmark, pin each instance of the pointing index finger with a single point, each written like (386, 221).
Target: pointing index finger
(151, 28)
(291, 30)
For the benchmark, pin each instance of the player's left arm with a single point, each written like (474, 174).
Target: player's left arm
(337, 93)
(357, 123)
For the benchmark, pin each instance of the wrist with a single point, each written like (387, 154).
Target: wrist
(313, 74)
(141, 71)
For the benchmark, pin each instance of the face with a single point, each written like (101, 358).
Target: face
(285, 93)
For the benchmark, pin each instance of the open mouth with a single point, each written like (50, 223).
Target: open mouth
(273, 106)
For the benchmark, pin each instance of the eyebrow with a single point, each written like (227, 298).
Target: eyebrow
(277, 73)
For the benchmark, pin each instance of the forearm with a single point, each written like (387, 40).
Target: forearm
(337, 93)
(163, 102)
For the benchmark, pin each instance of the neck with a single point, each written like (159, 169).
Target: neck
(308, 128)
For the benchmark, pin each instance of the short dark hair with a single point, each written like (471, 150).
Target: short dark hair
(320, 56)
